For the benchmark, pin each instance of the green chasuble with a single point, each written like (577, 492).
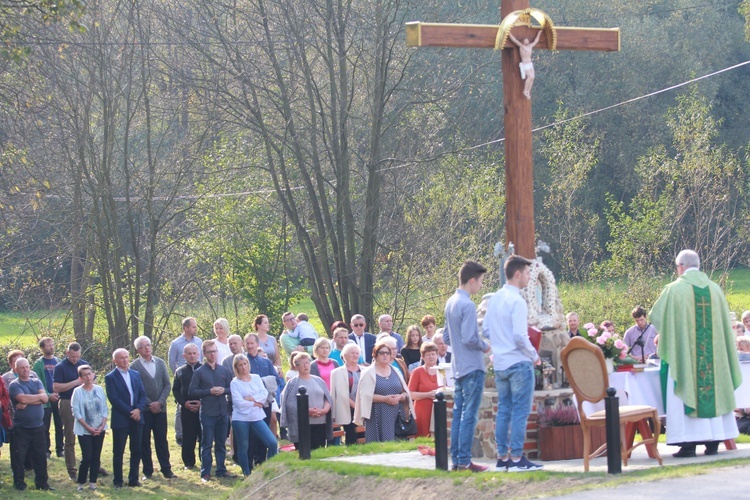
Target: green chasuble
(697, 344)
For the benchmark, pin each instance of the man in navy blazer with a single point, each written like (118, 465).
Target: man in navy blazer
(365, 340)
(128, 397)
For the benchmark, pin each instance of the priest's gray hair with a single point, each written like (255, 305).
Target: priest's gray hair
(688, 258)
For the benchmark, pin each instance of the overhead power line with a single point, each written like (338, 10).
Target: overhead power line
(470, 148)
(628, 101)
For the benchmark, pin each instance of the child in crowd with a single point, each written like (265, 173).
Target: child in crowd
(743, 349)
(291, 372)
(304, 331)
(739, 328)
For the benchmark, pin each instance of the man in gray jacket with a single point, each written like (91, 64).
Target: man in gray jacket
(155, 377)
(462, 334)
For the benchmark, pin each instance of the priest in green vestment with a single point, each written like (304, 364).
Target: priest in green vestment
(699, 364)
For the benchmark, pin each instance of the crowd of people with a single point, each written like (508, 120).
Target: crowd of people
(227, 389)
(233, 389)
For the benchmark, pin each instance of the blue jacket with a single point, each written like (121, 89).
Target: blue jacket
(119, 396)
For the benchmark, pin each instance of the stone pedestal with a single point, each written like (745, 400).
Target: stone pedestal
(484, 435)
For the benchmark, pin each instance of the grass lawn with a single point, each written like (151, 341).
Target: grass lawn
(738, 291)
(25, 327)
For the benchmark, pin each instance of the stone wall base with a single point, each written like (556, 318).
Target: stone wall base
(484, 435)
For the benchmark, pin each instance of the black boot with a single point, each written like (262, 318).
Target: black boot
(712, 447)
(686, 451)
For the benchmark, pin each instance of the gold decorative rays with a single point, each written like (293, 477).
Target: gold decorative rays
(523, 17)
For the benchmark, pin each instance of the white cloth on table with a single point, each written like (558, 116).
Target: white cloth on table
(633, 388)
(742, 393)
(644, 388)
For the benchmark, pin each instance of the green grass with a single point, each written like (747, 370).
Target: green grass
(548, 482)
(186, 485)
(26, 327)
(738, 291)
(613, 300)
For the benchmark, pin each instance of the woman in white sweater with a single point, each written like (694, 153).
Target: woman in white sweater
(248, 396)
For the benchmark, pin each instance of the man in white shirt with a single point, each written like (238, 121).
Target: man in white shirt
(513, 358)
(365, 340)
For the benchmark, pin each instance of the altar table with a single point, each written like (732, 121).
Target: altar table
(644, 388)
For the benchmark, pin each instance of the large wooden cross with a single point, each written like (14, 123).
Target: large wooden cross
(519, 181)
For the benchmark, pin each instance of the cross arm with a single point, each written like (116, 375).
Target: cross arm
(482, 36)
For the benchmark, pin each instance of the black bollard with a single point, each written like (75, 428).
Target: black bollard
(612, 415)
(441, 431)
(303, 423)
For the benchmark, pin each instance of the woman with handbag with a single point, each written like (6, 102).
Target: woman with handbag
(382, 397)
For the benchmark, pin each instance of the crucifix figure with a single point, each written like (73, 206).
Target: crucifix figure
(516, 15)
(526, 66)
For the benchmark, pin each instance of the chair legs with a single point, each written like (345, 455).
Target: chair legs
(649, 440)
(586, 447)
(627, 437)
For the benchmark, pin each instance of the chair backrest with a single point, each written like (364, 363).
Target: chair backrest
(586, 370)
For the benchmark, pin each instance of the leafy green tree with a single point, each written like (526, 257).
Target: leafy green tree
(455, 213)
(568, 222)
(319, 87)
(692, 195)
(240, 252)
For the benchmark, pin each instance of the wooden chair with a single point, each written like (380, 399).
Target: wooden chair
(587, 373)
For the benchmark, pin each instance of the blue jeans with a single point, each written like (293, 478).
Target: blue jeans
(467, 395)
(515, 395)
(261, 431)
(214, 429)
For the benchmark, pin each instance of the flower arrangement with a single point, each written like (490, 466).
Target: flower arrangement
(611, 344)
(558, 415)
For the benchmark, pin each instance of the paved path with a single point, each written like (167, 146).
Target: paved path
(638, 461)
(726, 484)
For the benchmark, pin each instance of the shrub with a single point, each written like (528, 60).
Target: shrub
(558, 415)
